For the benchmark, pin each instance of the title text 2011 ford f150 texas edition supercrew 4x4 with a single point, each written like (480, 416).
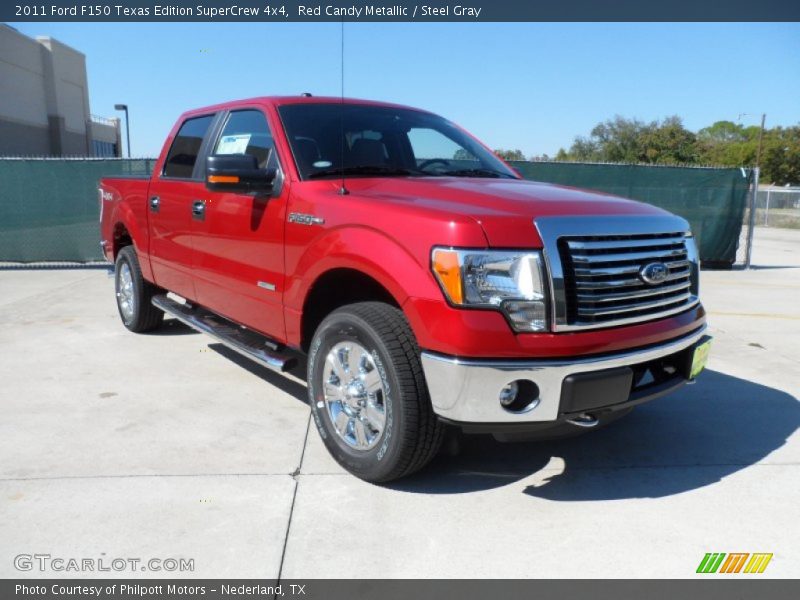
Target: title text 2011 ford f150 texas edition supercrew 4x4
(425, 281)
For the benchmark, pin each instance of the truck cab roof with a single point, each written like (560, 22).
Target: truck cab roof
(299, 99)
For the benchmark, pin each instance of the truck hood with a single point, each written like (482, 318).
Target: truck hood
(504, 208)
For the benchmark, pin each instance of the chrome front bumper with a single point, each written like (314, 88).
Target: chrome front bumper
(467, 391)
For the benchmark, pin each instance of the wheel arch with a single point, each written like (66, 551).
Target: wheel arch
(335, 288)
(371, 265)
(129, 228)
(121, 237)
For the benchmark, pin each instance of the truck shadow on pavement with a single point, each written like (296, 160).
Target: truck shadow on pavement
(297, 390)
(685, 441)
(682, 442)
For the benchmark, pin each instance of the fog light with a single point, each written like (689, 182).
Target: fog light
(519, 396)
(509, 394)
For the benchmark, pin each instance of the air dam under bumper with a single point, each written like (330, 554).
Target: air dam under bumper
(467, 390)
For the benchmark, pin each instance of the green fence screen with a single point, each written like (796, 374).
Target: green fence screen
(713, 200)
(49, 207)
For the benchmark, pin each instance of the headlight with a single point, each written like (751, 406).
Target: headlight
(509, 281)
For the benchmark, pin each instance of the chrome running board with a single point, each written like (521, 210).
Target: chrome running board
(249, 344)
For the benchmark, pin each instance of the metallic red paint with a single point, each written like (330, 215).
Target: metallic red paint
(384, 228)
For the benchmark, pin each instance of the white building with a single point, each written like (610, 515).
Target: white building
(44, 101)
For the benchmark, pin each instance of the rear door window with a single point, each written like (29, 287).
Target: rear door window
(183, 153)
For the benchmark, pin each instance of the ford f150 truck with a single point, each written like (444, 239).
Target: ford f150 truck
(424, 281)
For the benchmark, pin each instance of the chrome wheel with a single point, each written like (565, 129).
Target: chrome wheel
(125, 295)
(354, 395)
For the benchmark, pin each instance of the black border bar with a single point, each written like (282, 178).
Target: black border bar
(707, 587)
(467, 11)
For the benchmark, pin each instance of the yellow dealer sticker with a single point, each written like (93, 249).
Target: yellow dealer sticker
(700, 358)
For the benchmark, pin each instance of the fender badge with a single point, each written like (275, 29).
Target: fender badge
(303, 219)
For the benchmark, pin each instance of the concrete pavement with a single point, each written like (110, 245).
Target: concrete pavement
(169, 446)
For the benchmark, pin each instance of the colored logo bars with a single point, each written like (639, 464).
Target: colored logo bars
(736, 562)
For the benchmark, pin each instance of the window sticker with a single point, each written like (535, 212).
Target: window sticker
(234, 144)
(322, 164)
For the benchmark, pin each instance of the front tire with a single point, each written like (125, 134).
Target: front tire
(134, 294)
(368, 394)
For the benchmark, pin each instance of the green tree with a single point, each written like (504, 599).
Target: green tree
(722, 132)
(510, 154)
(727, 144)
(668, 143)
(583, 149)
(723, 143)
(617, 140)
(633, 141)
(463, 154)
(780, 161)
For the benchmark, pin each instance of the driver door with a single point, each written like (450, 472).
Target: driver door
(238, 242)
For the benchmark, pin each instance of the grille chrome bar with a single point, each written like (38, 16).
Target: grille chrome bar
(677, 264)
(589, 271)
(601, 271)
(605, 285)
(628, 256)
(578, 324)
(596, 266)
(616, 283)
(593, 312)
(607, 244)
(615, 297)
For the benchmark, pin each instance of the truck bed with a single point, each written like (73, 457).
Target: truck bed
(123, 213)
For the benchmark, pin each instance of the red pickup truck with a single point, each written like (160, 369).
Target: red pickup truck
(424, 282)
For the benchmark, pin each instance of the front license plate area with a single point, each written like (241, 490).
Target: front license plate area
(700, 358)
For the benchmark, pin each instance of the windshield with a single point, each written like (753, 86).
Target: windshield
(331, 140)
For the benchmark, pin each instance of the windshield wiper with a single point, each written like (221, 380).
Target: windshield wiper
(475, 173)
(363, 170)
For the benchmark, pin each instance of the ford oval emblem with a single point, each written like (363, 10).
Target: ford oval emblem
(654, 273)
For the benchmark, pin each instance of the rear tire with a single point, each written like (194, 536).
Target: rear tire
(368, 393)
(134, 294)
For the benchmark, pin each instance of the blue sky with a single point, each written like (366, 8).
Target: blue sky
(533, 86)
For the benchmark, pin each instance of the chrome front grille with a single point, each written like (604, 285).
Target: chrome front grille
(597, 267)
(602, 280)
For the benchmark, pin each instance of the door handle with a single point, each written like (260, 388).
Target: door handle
(155, 203)
(199, 210)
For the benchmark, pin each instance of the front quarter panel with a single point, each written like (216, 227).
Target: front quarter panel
(391, 245)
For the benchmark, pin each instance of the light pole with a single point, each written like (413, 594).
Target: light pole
(127, 124)
(760, 141)
(760, 135)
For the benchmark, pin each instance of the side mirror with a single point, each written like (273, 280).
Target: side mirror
(237, 173)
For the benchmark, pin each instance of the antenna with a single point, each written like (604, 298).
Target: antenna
(342, 189)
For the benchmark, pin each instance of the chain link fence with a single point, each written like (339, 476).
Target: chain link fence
(744, 244)
(49, 208)
(778, 207)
